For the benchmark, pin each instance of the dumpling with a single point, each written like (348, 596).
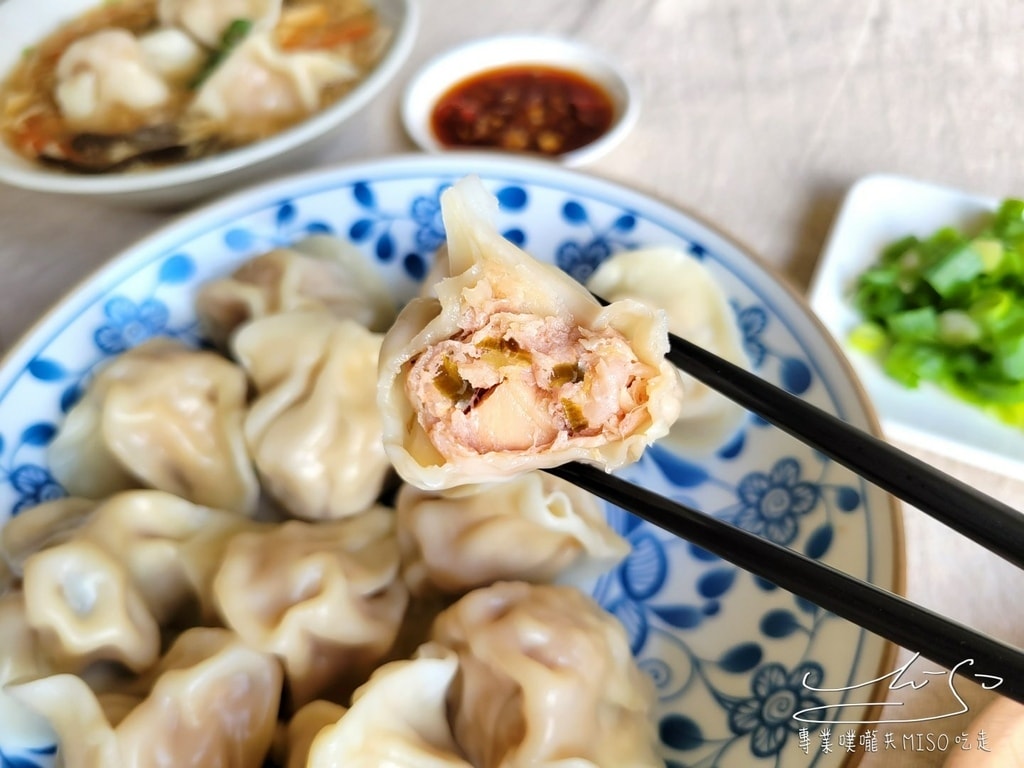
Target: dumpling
(319, 272)
(211, 701)
(698, 311)
(546, 679)
(214, 701)
(259, 84)
(326, 599)
(169, 547)
(397, 718)
(163, 416)
(207, 20)
(21, 656)
(357, 290)
(515, 366)
(84, 608)
(303, 728)
(39, 527)
(534, 528)
(314, 431)
(172, 53)
(8, 581)
(106, 85)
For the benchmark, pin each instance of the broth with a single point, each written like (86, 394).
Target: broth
(313, 34)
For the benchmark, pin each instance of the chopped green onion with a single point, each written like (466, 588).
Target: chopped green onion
(948, 308)
(921, 323)
(991, 252)
(954, 270)
(957, 328)
(868, 338)
(233, 35)
(990, 306)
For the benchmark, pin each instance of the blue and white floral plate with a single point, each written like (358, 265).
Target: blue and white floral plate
(733, 657)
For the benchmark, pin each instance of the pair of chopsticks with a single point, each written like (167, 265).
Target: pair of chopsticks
(987, 521)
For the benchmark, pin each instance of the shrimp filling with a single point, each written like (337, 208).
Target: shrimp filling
(519, 382)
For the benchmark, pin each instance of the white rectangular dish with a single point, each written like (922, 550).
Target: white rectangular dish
(878, 210)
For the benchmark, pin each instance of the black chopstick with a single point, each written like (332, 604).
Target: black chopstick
(908, 625)
(996, 526)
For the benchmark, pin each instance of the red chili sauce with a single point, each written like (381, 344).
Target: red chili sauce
(523, 108)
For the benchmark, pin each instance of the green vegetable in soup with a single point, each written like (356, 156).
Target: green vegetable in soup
(235, 33)
(949, 309)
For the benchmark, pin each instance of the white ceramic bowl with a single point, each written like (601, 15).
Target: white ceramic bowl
(25, 22)
(452, 67)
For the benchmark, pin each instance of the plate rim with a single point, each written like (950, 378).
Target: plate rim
(281, 187)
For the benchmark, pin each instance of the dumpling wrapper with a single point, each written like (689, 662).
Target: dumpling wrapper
(211, 701)
(164, 416)
(260, 85)
(314, 431)
(207, 20)
(326, 598)
(21, 656)
(320, 272)
(698, 311)
(41, 526)
(398, 718)
(534, 527)
(514, 366)
(84, 608)
(169, 547)
(296, 738)
(105, 85)
(546, 679)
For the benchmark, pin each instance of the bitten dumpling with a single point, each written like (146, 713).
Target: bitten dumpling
(534, 527)
(212, 701)
(546, 679)
(327, 599)
(164, 416)
(698, 311)
(320, 272)
(514, 366)
(397, 718)
(314, 431)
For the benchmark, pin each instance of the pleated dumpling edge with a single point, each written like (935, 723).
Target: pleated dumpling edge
(512, 365)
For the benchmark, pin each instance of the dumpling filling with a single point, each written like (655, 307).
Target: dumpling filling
(511, 365)
(519, 382)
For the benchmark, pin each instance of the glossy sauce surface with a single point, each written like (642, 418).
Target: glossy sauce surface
(523, 108)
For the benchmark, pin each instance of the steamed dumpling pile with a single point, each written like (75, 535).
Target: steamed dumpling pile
(515, 366)
(241, 492)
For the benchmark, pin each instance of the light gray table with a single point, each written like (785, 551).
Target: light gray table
(757, 115)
